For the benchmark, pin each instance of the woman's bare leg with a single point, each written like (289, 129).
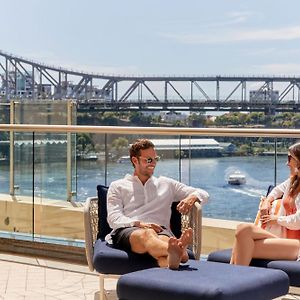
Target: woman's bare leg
(277, 248)
(245, 235)
(255, 242)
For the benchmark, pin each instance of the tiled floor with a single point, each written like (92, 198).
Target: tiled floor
(37, 279)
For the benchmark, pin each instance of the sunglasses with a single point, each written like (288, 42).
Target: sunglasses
(290, 157)
(150, 160)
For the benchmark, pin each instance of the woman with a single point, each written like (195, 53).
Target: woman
(254, 242)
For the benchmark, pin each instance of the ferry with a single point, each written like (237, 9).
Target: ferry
(237, 178)
(88, 156)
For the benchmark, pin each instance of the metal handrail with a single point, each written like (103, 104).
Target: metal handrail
(245, 132)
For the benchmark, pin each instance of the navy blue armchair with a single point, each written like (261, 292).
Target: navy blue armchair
(111, 262)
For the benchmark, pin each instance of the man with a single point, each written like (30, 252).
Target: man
(139, 209)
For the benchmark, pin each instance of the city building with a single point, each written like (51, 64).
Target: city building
(264, 96)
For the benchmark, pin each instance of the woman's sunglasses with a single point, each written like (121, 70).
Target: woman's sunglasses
(290, 157)
(149, 160)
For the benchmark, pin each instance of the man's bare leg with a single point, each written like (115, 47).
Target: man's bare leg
(147, 241)
(185, 240)
(175, 253)
(177, 249)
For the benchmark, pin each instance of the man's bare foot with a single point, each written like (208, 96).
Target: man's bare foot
(174, 253)
(185, 240)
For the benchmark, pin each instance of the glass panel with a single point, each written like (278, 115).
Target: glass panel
(4, 150)
(49, 150)
(92, 171)
(41, 171)
(252, 165)
(90, 164)
(48, 181)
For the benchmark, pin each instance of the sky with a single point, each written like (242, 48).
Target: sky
(156, 37)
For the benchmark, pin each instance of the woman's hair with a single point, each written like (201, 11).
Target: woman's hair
(295, 179)
(137, 146)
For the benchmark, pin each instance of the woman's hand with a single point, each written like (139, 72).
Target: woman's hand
(271, 219)
(265, 206)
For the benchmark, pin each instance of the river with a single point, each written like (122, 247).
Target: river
(226, 201)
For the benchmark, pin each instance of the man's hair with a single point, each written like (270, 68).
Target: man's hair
(137, 146)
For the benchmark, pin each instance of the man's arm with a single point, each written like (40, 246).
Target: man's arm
(115, 214)
(186, 204)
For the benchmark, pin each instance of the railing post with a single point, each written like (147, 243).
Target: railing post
(179, 160)
(69, 152)
(190, 160)
(275, 162)
(11, 151)
(106, 158)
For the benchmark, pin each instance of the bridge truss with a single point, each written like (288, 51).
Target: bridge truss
(22, 78)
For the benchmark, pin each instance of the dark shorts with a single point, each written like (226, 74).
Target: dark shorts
(120, 236)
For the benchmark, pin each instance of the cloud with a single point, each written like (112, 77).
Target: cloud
(239, 16)
(221, 36)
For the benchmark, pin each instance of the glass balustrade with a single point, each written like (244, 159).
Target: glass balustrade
(42, 191)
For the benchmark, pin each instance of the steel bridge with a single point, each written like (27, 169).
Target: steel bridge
(23, 78)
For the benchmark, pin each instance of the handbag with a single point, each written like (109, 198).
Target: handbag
(274, 210)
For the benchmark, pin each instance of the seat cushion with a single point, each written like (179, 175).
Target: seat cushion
(109, 260)
(203, 280)
(224, 256)
(292, 268)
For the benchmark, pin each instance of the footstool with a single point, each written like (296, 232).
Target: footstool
(203, 280)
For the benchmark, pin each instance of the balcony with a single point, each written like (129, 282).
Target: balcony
(43, 183)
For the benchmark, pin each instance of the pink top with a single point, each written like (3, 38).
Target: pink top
(290, 209)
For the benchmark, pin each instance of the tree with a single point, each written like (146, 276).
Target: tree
(84, 142)
(120, 144)
(196, 120)
(139, 119)
(109, 119)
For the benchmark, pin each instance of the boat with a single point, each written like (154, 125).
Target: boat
(237, 178)
(87, 156)
(4, 161)
(124, 159)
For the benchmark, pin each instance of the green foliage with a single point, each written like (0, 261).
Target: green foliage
(120, 143)
(196, 120)
(4, 149)
(139, 119)
(282, 120)
(245, 149)
(109, 118)
(84, 142)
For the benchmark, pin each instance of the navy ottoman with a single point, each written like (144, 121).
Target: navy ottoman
(203, 280)
(290, 267)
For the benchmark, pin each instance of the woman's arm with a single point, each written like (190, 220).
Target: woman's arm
(291, 222)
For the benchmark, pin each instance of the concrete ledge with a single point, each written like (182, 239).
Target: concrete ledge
(217, 234)
(64, 219)
(54, 218)
(58, 252)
